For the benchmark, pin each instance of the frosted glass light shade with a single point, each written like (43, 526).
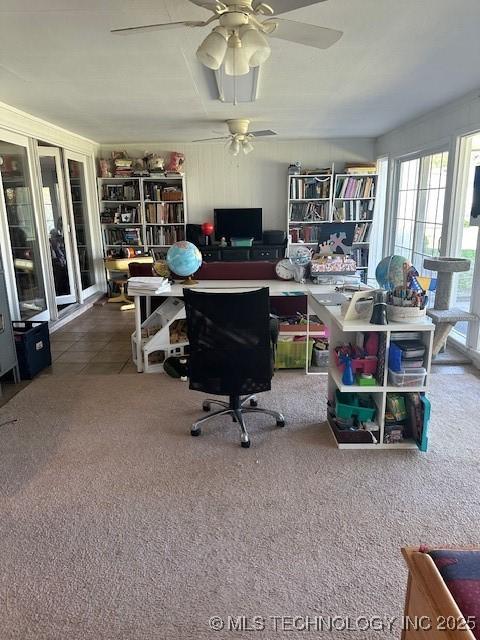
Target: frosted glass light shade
(247, 147)
(234, 147)
(212, 51)
(255, 44)
(236, 62)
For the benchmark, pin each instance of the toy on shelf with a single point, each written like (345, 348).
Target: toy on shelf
(362, 360)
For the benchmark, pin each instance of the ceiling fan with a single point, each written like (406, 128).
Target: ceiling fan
(240, 138)
(239, 41)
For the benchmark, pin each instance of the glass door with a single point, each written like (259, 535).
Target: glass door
(57, 226)
(20, 237)
(79, 205)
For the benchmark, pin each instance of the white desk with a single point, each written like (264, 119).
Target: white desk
(276, 287)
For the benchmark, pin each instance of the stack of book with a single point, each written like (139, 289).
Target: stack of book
(163, 213)
(361, 167)
(310, 188)
(151, 284)
(409, 353)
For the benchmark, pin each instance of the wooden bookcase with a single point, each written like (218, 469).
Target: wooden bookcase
(140, 212)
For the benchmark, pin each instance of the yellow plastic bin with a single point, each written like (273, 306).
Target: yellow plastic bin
(292, 355)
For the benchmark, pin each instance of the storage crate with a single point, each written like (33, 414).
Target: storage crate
(349, 405)
(32, 341)
(408, 378)
(292, 355)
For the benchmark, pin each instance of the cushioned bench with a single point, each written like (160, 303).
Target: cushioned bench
(443, 594)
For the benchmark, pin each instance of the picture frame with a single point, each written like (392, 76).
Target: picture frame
(126, 217)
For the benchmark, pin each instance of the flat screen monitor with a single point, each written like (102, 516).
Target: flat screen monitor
(238, 223)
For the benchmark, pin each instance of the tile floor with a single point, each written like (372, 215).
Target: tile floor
(98, 342)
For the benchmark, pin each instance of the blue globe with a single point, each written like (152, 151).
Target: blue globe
(391, 271)
(184, 259)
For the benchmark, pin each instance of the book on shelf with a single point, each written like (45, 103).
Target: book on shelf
(305, 233)
(119, 192)
(355, 187)
(123, 214)
(309, 211)
(313, 187)
(362, 232)
(164, 213)
(131, 237)
(360, 168)
(163, 236)
(354, 210)
(157, 191)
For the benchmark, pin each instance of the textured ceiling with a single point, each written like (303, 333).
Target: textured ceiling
(397, 59)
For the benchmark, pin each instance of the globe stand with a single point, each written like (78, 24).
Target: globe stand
(189, 282)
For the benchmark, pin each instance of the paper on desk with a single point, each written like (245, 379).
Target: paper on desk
(150, 284)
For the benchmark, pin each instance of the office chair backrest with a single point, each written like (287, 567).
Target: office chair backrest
(229, 336)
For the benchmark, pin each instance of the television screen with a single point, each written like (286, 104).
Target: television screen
(238, 223)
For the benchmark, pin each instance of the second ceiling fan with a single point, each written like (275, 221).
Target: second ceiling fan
(240, 138)
(240, 41)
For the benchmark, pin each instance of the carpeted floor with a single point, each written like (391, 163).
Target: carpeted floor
(115, 524)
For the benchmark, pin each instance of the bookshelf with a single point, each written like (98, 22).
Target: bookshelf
(317, 199)
(309, 206)
(147, 212)
(353, 200)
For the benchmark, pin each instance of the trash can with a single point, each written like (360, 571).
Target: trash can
(32, 341)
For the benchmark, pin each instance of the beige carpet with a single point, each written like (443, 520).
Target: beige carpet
(115, 524)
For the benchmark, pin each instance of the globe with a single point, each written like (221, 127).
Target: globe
(390, 272)
(183, 258)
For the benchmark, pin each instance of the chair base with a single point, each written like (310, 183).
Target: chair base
(236, 409)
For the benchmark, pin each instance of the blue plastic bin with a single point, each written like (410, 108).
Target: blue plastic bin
(32, 341)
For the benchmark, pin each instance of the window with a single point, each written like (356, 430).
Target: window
(420, 204)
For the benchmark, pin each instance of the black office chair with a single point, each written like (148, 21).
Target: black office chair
(230, 352)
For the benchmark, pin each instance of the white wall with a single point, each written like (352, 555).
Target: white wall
(216, 179)
(435, 128)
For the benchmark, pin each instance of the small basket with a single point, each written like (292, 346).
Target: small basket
(292, 355)
(405, 314)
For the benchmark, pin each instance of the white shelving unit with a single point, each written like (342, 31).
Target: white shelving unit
(358, 208)
(143, 208)
(306, 214)
(353, 200)
(344, 332)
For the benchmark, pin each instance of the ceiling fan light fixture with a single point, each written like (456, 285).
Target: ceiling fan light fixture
(236, 58)
(247, 146)
(234, 147)
(211, 52)
(256, 45)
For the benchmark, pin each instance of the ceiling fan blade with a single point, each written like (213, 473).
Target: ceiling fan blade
(282, 6)
(210, 139)
(308, 34)
(211, 6)
(263, 133)
(151, 27)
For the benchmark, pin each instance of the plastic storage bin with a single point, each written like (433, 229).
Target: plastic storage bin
(292, 355)
(348, 405)
(241, 242)
(32, 341)
(408, 378)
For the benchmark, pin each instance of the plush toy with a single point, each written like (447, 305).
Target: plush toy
(176, 162)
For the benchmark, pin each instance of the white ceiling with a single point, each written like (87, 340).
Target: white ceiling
(396, 60)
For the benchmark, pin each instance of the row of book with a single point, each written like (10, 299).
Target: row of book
(353, 168)
(156, 191)
(164, 213)
(163, 236)
(124, 214)
(119, 192)
(311, 187)
(362, 232)
(355, 187)
(309, 211)
(131, 237)
(360, 256)
(354, 210)
(305, 233)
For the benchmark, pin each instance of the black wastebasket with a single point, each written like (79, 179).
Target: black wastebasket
(32, 340)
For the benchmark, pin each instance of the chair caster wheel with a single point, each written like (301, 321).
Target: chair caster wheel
(195, 432)
(253, 403)
(206, 406)
(246, 445)
(280, 423)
